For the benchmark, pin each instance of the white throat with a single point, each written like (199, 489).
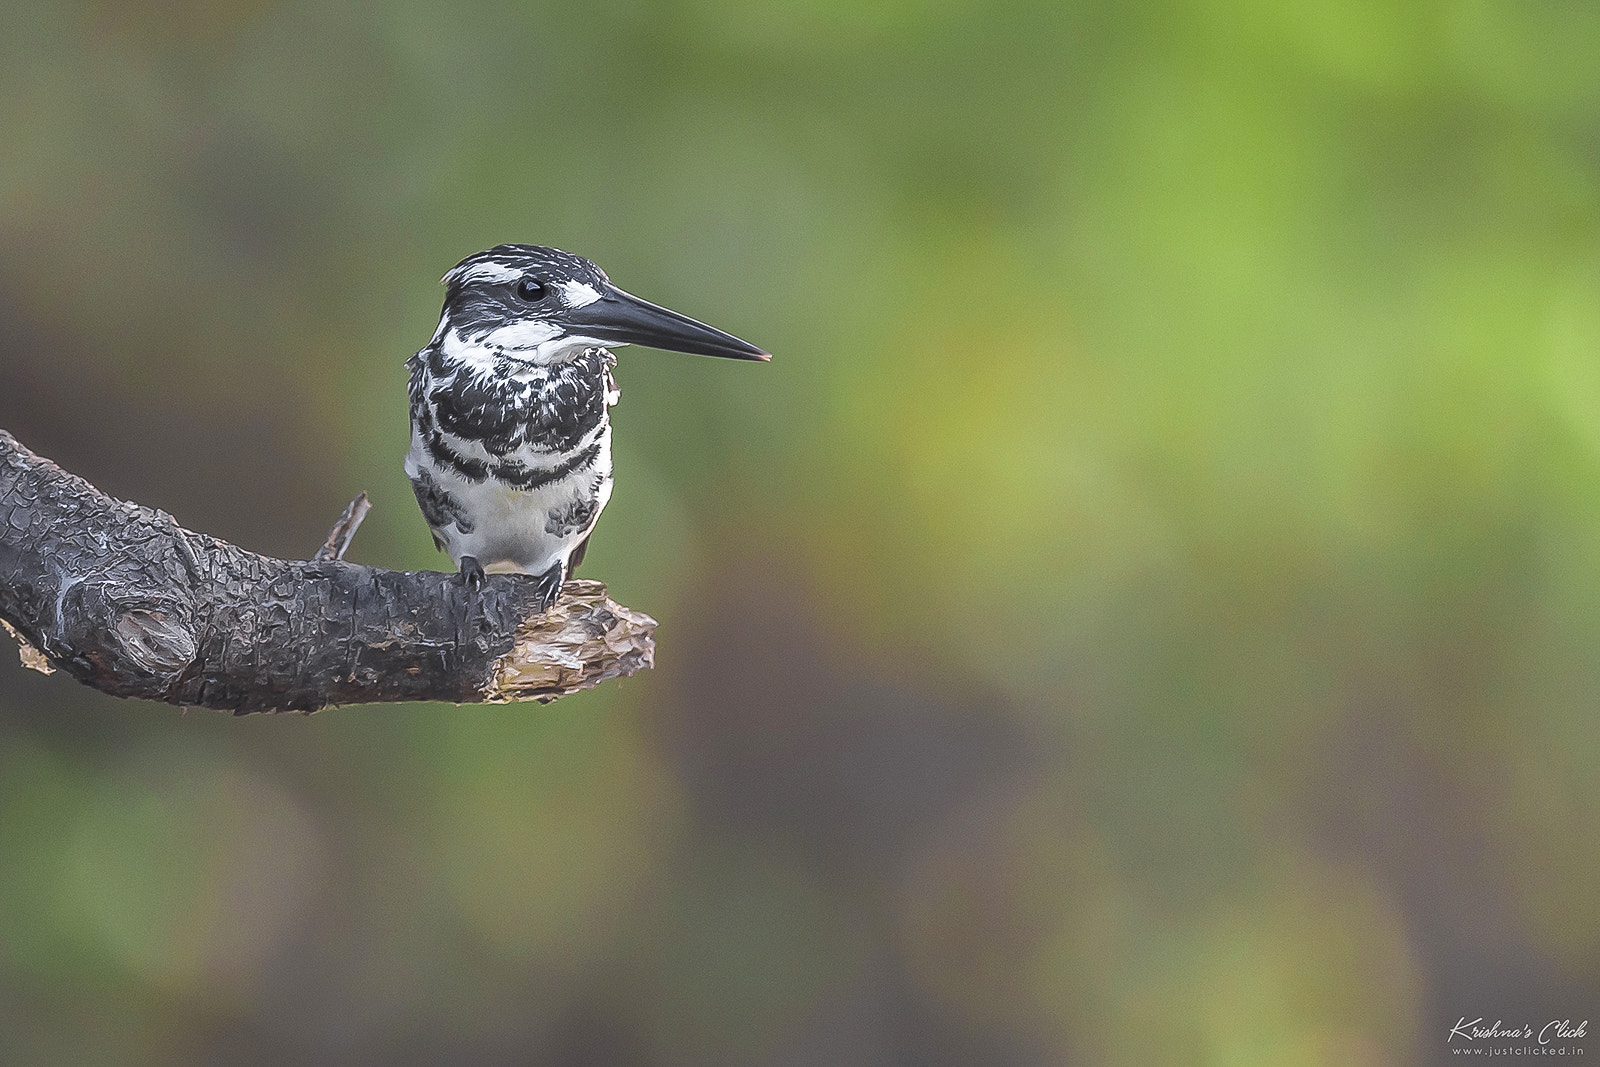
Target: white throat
(529, 341)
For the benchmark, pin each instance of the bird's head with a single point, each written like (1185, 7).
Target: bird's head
(542, 305)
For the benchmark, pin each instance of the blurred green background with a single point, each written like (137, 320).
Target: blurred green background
(1147, 613)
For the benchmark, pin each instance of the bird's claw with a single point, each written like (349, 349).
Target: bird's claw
(472, 574)
(548, 587)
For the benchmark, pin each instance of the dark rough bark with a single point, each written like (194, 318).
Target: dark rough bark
(127, 601)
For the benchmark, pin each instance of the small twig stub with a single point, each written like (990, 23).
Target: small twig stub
(345, 529)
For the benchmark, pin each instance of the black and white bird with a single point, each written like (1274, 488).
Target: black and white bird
(510, 437)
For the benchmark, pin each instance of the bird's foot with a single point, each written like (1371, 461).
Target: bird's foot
(548, 588)
(472, 574)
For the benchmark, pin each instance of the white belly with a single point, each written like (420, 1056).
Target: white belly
(511, 529)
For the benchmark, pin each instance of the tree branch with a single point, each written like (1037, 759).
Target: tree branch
(127, 601)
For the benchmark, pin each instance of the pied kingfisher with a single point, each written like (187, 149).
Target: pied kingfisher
(510, 440)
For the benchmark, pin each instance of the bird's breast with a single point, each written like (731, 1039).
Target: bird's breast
(509, 407)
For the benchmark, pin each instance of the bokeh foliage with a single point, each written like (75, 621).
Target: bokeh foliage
(1148, 612)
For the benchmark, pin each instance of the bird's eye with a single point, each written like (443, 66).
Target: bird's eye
(530, 289)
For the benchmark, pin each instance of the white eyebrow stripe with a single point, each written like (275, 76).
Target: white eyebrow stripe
(488, 271)
(578, 294)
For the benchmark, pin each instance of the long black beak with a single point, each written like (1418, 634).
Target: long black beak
(623, 319)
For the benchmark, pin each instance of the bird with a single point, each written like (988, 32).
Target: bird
(510, 453)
